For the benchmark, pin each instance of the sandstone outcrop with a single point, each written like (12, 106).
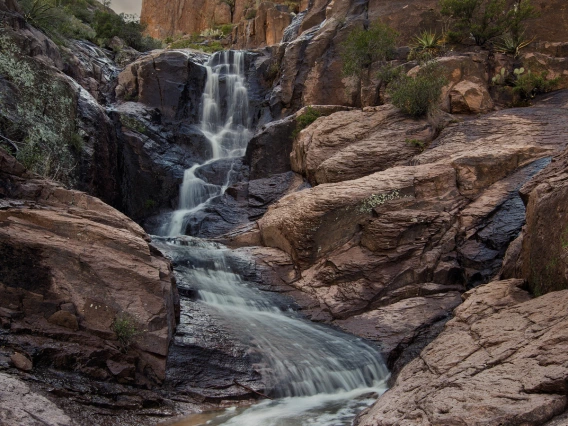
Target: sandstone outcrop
(500, 360)
(266, 29)
(70, 261)
(257, 24)
(411, 237)
(352, 144)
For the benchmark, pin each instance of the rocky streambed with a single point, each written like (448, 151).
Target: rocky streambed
(448, 256)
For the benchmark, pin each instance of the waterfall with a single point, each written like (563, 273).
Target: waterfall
(224, 120)
(299, 358)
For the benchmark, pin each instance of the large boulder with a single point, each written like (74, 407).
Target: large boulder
(393, 249)
(501, 360)
(63, 250)
(353, 144)
(170, 81)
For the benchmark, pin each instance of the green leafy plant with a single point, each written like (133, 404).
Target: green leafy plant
(108, 25)
(416, 143)
(389, 73)
(512, 44)
(362, 47)
(420, 94)
(485, 20)
(250, 14)
(308, 117)
(529, 84)
(426, 47)
(126, 330)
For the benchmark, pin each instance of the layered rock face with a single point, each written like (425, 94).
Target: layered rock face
(385, 249)
(540, 254)
(75, 277)
(259, 24)
(500, 360)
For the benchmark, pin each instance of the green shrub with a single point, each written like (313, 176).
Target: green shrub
(485, 20)
(365, 46)
(389, 73)
(416, 143)
(308, 117)
(226, 29)
(251, 14)
(194, 42)
(528, 85)
(419, 95)
(108, 25)
(126, 330)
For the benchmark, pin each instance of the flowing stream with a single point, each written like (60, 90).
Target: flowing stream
(225, 124)
(317, 375)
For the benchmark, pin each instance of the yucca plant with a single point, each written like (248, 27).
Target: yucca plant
(512, 44)
(39, 13)
(426, 46)
(427, 40)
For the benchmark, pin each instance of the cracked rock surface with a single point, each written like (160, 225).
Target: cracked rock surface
(502, 360)
(21, 406)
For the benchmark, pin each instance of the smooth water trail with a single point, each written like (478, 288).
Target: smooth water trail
(224, 120)
(316, 372)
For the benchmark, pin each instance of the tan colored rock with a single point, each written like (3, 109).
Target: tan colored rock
(64, 319)
(468, 97)
(61, 245)
(266, 29)
(412, 236)
(501, 360)
(352, 144)
(21, 362)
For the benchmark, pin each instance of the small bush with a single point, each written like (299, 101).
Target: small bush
(416, 143)
(126, 330)
(426, 47)
(528, 85)
(108, 25)
(419, 95)
(389, 73)
(363, 47)
(251, 14)
(226, 29)
(304, 120)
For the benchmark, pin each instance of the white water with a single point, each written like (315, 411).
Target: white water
(225, 123)
(317, 373)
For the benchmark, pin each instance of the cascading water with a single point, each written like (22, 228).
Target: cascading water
(225, 124)
(315, 371)
(320, 376)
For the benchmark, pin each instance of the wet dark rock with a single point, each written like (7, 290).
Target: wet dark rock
(216, 359)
